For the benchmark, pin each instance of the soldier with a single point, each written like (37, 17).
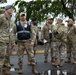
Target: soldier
(71, 41)
(58, 42)
(46, 36)
(26, 38)
(34, 27)
(5, 39)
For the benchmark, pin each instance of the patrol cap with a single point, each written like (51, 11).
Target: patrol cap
(8, 7)
(34, 19)
(49, 18)
(69, 20)
(59, 20)
(22, 14)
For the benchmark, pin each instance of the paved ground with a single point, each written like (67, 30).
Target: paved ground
(43, 68)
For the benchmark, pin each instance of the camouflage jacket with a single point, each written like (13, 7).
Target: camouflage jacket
(34, 33)
(71, 35)
(45, 32)
(59, 32)
(5, 29)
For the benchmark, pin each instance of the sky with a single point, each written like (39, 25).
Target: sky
(9, 2)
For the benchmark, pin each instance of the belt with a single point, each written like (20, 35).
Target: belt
(23, 40)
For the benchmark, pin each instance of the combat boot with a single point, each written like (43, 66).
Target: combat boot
(20, 69)
(61, 63)
(6, 72)
(74, 61)
(34, 70)
(11, 64)
(28, 63)
(45, 61)
(55, 63)
(7, 65)
(68, 61)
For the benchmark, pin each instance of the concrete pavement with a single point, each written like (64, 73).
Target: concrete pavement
(43, 68)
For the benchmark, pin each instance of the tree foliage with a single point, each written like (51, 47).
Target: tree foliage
(1, 8)
(1, 11)
(42, 8)
(3, 1)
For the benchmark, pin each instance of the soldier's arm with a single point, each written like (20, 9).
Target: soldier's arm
(33, 33)
(14, 36)
(43, 33)
(64, 37)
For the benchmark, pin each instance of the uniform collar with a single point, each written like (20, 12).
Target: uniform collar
(24, 22)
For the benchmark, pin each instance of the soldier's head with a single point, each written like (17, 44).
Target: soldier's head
(9, 10)
(50, 20)
(34, 20)
(22, 16)
(70, 22)
(59, 21)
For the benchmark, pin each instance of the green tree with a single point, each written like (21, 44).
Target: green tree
(3, 1)
(41, 8)
(1, 8)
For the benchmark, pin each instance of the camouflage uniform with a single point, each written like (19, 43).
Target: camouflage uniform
(58, 41)
(71, 42)
(25, 45)
(45, 35)
(35, 28)
(5, 40)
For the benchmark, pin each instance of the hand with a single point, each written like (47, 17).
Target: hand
(32, 43)
(13, 44)
(42, 40)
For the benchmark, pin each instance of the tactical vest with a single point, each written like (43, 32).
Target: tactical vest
(23, 33)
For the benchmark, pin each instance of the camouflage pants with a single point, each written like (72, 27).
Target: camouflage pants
(22, 46)
(34, 48)
(71, 49)
(47, 47)
(4, 55)
(58, 49)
